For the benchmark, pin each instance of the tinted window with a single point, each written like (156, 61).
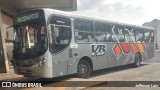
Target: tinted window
(117, 33)
(84, 31)
(147, 36)
(129, 34)
(102, 32)
(139, 35)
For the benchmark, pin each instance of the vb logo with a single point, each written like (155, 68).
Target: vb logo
(98, 49)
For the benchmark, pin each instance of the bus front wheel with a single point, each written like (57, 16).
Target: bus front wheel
(83, 69)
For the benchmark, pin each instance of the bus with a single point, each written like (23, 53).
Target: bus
(51, 43)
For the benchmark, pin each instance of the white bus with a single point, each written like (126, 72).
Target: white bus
(50, 43)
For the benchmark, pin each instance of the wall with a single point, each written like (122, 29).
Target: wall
(3, 57)
(7, 21)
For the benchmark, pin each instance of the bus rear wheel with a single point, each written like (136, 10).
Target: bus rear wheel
(137, 61)
(83, 69)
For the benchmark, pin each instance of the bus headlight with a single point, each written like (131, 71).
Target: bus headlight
(40, 63)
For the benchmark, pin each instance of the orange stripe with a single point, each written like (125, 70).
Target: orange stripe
(117, 50)
(133, 47)
(125, 47)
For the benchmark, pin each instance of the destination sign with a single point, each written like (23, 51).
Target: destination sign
(27, 16)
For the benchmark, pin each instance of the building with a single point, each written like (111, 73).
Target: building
(9, 8)
(155, 24)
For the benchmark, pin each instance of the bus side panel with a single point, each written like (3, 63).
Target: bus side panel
(110, 56)
(84, 50)
(128, 58)
(60, 61)
(150, 50)
(98, 51)
(72, 65)
(118, 54)
(73, 60)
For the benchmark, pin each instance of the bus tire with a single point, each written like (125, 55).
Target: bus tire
(83, 69)
(137, 61)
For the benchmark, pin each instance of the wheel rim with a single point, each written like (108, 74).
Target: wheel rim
(82, 69)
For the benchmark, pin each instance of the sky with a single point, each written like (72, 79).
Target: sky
(134, 12)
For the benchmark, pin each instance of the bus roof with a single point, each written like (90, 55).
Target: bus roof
(74, 15)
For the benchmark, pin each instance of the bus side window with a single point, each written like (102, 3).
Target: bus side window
(117, 33)
(139, 34)
(102, 32)
(84, 31)
(129, 34)
(147, 36)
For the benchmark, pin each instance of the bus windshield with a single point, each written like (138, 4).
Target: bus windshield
(30, 40)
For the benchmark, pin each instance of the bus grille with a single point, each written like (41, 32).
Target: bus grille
(26, 63)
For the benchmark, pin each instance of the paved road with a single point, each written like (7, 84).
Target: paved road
(149, 71)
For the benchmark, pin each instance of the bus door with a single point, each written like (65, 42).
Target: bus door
(59, 47)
